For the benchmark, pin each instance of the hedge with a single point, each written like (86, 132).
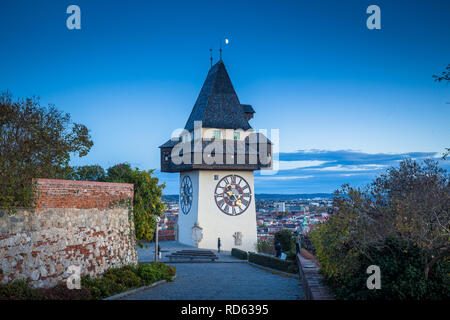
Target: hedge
(272, 262)
(110, 283)
(240, 254)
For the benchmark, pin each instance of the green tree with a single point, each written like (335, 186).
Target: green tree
(35, 142)
(444, 76)
(87, 173)
(405, 210)
(265, 246)
(147, 200)
(119, 173)
(284, 237)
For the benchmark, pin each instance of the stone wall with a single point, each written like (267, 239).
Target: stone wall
(85, 224)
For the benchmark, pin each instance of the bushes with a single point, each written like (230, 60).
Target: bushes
(265, 246)
(112, 282)
(307, 243)
(115, 281)
(36, 142)
(240, 254)
(400, 223)
(291, 255)
(155, 271)
(402, 275)
(147, 202)
(21, 290)
(272, 262)
(17, 290)
(284, 237)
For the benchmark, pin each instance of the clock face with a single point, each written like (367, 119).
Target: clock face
(233, 195)
(186, 194)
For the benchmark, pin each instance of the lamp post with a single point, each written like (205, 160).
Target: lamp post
(156, 239)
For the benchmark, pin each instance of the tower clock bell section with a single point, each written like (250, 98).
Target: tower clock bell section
(222, 204)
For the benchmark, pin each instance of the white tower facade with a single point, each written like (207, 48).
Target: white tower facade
(234, 231)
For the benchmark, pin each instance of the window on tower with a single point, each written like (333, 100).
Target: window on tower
(217, 134)
(236, 135)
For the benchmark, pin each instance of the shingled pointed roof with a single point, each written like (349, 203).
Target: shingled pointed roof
(217, 105)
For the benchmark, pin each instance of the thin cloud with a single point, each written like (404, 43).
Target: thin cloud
(283, 177)
(312, 171)
(289, 165)
(363, 167)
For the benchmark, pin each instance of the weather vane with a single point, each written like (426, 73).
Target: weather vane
(210, 53)
(220, 51)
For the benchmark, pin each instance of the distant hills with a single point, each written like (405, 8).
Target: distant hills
(170, 197)
(270, 196)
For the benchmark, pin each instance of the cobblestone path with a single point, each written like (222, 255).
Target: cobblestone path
(222, 281)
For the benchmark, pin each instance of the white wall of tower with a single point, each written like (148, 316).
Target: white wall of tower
(214, 222)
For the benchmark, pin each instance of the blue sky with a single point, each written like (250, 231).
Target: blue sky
(310, 68)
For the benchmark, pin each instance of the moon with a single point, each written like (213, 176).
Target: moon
(226, 41)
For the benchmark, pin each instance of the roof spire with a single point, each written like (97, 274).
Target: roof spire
(210, 53)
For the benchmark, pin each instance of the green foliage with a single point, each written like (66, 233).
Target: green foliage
(307, 243)
(402, 275)
(115, 281)
(35, 142)
(291, 255)
(285, 238)
(87, 173)
(240, 254)
(155, 271)
(21, 290)
(61, 292)
(293, 268)
(112, 282)
(400, 222)
(17, 290)
(147, 202)
(119, 173)
(272, 262)
(265, 246)
(334, 249)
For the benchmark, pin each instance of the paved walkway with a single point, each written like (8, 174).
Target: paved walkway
(168, 247)
(219, 281)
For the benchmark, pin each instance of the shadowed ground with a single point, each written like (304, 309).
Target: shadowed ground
(219, 281)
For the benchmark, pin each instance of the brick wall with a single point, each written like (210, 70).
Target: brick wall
(86, 224)
(80, 194)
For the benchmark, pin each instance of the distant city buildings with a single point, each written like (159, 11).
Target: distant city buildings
(300, 216)
(281, 206)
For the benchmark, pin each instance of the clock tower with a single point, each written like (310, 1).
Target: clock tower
(216, 155)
